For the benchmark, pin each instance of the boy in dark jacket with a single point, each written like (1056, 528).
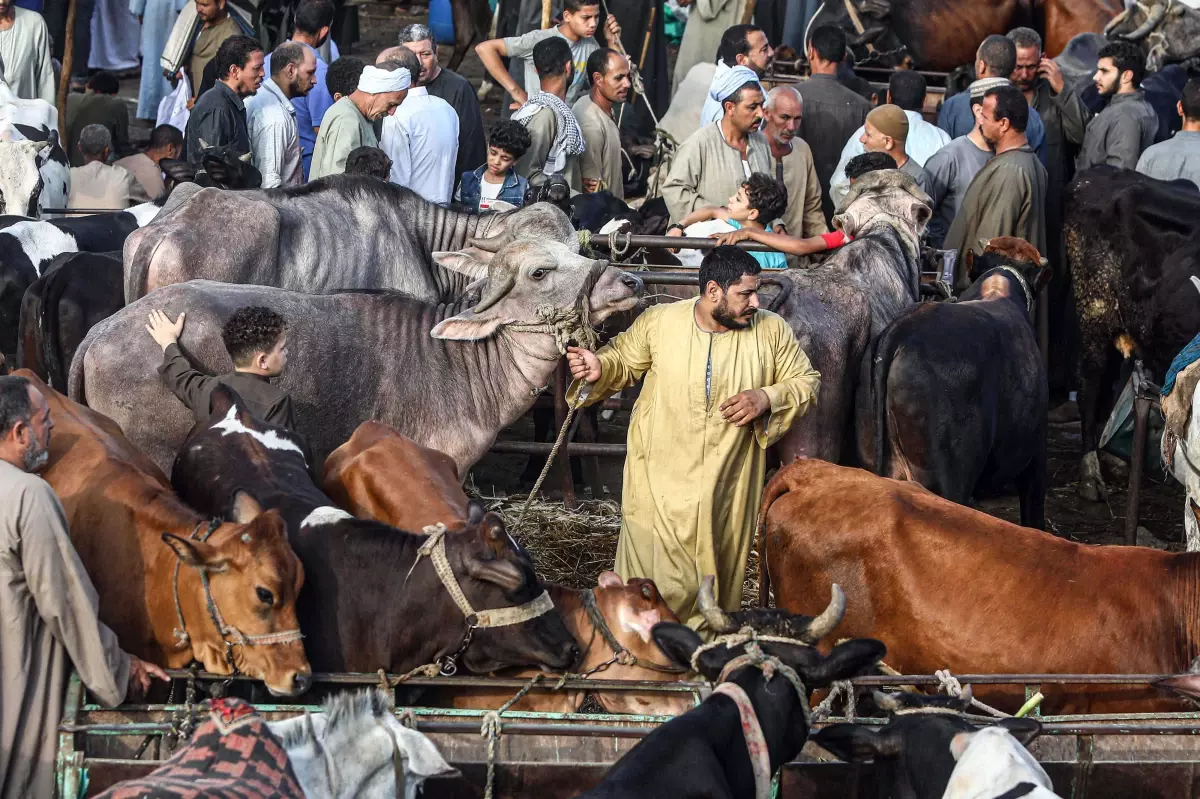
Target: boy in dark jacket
(497, 179)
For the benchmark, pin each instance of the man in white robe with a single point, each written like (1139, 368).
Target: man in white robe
(25, 53)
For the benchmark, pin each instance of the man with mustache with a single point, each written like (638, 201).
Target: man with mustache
(724, 380)
(49, 605)
(1122, 131)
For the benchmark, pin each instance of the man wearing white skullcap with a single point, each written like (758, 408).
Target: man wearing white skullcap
(347, 123)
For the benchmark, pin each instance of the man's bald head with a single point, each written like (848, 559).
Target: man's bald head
(784, 112)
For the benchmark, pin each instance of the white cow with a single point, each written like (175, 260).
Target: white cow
(992, 762)
(34, 171)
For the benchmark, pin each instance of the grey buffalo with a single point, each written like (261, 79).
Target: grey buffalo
(447, 376)
(838, 308)
(342, 232)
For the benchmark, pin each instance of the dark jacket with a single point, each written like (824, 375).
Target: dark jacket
(832, 113)
(513, 190)
(219, 117)
(194, 389)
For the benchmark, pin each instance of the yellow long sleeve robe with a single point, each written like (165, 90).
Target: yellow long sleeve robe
(692, 480)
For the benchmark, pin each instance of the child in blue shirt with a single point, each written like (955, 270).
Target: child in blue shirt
(758, 201)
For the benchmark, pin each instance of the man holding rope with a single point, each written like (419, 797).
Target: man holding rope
(724, 380)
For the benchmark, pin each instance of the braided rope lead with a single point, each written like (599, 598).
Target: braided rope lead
(490, 729)
(950, 684)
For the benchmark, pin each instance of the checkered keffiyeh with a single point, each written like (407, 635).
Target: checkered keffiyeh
(569, 140)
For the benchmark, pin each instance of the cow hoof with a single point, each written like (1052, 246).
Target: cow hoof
(1091, 482)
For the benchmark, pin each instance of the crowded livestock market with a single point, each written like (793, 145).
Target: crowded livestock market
(602, 398)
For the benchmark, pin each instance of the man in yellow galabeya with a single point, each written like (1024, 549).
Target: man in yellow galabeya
(724, 381)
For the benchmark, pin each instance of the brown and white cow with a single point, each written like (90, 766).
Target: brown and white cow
(948, 587)
(139, 544)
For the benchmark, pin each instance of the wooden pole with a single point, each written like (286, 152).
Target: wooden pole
(68, 64)
(545, 14)
(748, 14)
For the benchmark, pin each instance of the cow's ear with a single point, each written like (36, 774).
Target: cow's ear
(497, 571)
(854, 743)
(677, 642)
(245, 508)
(1024, 730)
(609, 579)
(196, 554)
(959, 743)
(845, 660)
(462, 261)
(467, 326)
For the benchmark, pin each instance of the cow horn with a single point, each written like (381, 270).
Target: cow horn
(1115, 21)
(830, 618)
(245, 158)
(717, 619)
(888, 703)
(1153, 17)
(501, 279)
(492, 244)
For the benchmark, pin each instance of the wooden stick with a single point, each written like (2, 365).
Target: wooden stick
(545, 14)
(64, 80)
(748, 14)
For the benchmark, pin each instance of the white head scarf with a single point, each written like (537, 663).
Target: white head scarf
(377, 81)
(726, 82)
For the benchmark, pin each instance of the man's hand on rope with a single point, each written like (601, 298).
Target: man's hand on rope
(140, 673)
(584, 364)
(613, 29)
(742, 409)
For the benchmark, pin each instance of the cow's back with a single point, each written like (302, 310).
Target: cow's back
(380, 474)
(949, 587)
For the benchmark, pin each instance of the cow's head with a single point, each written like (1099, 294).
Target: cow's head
(631, 609)
(528, 278)
(913, 749)
(1004, 258)
(253, 579)
(541, 221)
(494, 572)
(224, 167)
(1168, 30)
(20, 180)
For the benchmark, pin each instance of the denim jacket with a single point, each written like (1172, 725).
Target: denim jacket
(513, 190)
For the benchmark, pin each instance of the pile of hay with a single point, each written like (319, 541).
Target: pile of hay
(571, 546)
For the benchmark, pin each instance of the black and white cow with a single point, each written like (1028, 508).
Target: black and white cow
(34, 171)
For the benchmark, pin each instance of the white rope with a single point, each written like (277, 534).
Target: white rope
(949, 683)
(837, 689)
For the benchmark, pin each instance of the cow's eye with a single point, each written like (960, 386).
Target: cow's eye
(265, 596)
(648, 592)
(538, 274)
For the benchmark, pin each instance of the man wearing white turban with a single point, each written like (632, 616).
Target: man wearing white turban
(347, 123)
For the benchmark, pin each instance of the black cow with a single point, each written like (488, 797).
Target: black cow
(959, 389)
(368, 602)
(703, 753)
(76, 291)
(1133, 245)
(28, 245)
(912, 752)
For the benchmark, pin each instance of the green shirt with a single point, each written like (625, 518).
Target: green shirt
(343, 129)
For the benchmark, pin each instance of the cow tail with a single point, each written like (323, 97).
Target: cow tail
(881, 364)
(50, 324)
(777, 487)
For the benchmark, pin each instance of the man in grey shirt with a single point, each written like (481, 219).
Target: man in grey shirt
(951, 170)
(1122, 131)
(1179, 156)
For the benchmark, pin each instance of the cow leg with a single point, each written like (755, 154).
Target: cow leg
(1095, 405)
(1031, 489)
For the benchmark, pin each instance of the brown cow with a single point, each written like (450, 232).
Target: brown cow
(137, 539)
(948, 587)
(380, 474)
(630, 610)
(1065, 19)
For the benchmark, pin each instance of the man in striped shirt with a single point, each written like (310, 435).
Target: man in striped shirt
(274, 138)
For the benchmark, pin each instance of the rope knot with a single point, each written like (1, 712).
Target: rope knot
(490, 728)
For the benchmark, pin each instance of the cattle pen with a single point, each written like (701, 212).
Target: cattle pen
(556, 755)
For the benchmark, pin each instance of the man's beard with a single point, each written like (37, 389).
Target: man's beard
(991, 144)
(35, 456)
(1107, 91)
(726, 319)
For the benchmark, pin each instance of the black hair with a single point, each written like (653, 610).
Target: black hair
(104, 83)
(860, 165)
(1000, 55)
(736, 97)
(511, 137)
(735, 41)
(251, 330)
(830, 43)
(312, 15)
(767, 196)
(1010, 105)
(1191, 99)
(1125, 56)
(370, 161)
(908, 88)
(343, 74)
(574, 5)
(166, 136)
(235, 52)
(14, 402)
(726, 266)
(551, 56)
(598, 62)
(285, 55)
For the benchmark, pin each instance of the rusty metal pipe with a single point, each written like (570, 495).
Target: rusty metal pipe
(674, 242)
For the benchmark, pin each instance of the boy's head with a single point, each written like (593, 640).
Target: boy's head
(581, 17)
(256, 339)
(507, 142)
(860, 165)
(760, 199)
(341, 79)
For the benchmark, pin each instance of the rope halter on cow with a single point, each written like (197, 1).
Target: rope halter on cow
(1016, 275)
(621, 655)
(231, 636)
(435, 548)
